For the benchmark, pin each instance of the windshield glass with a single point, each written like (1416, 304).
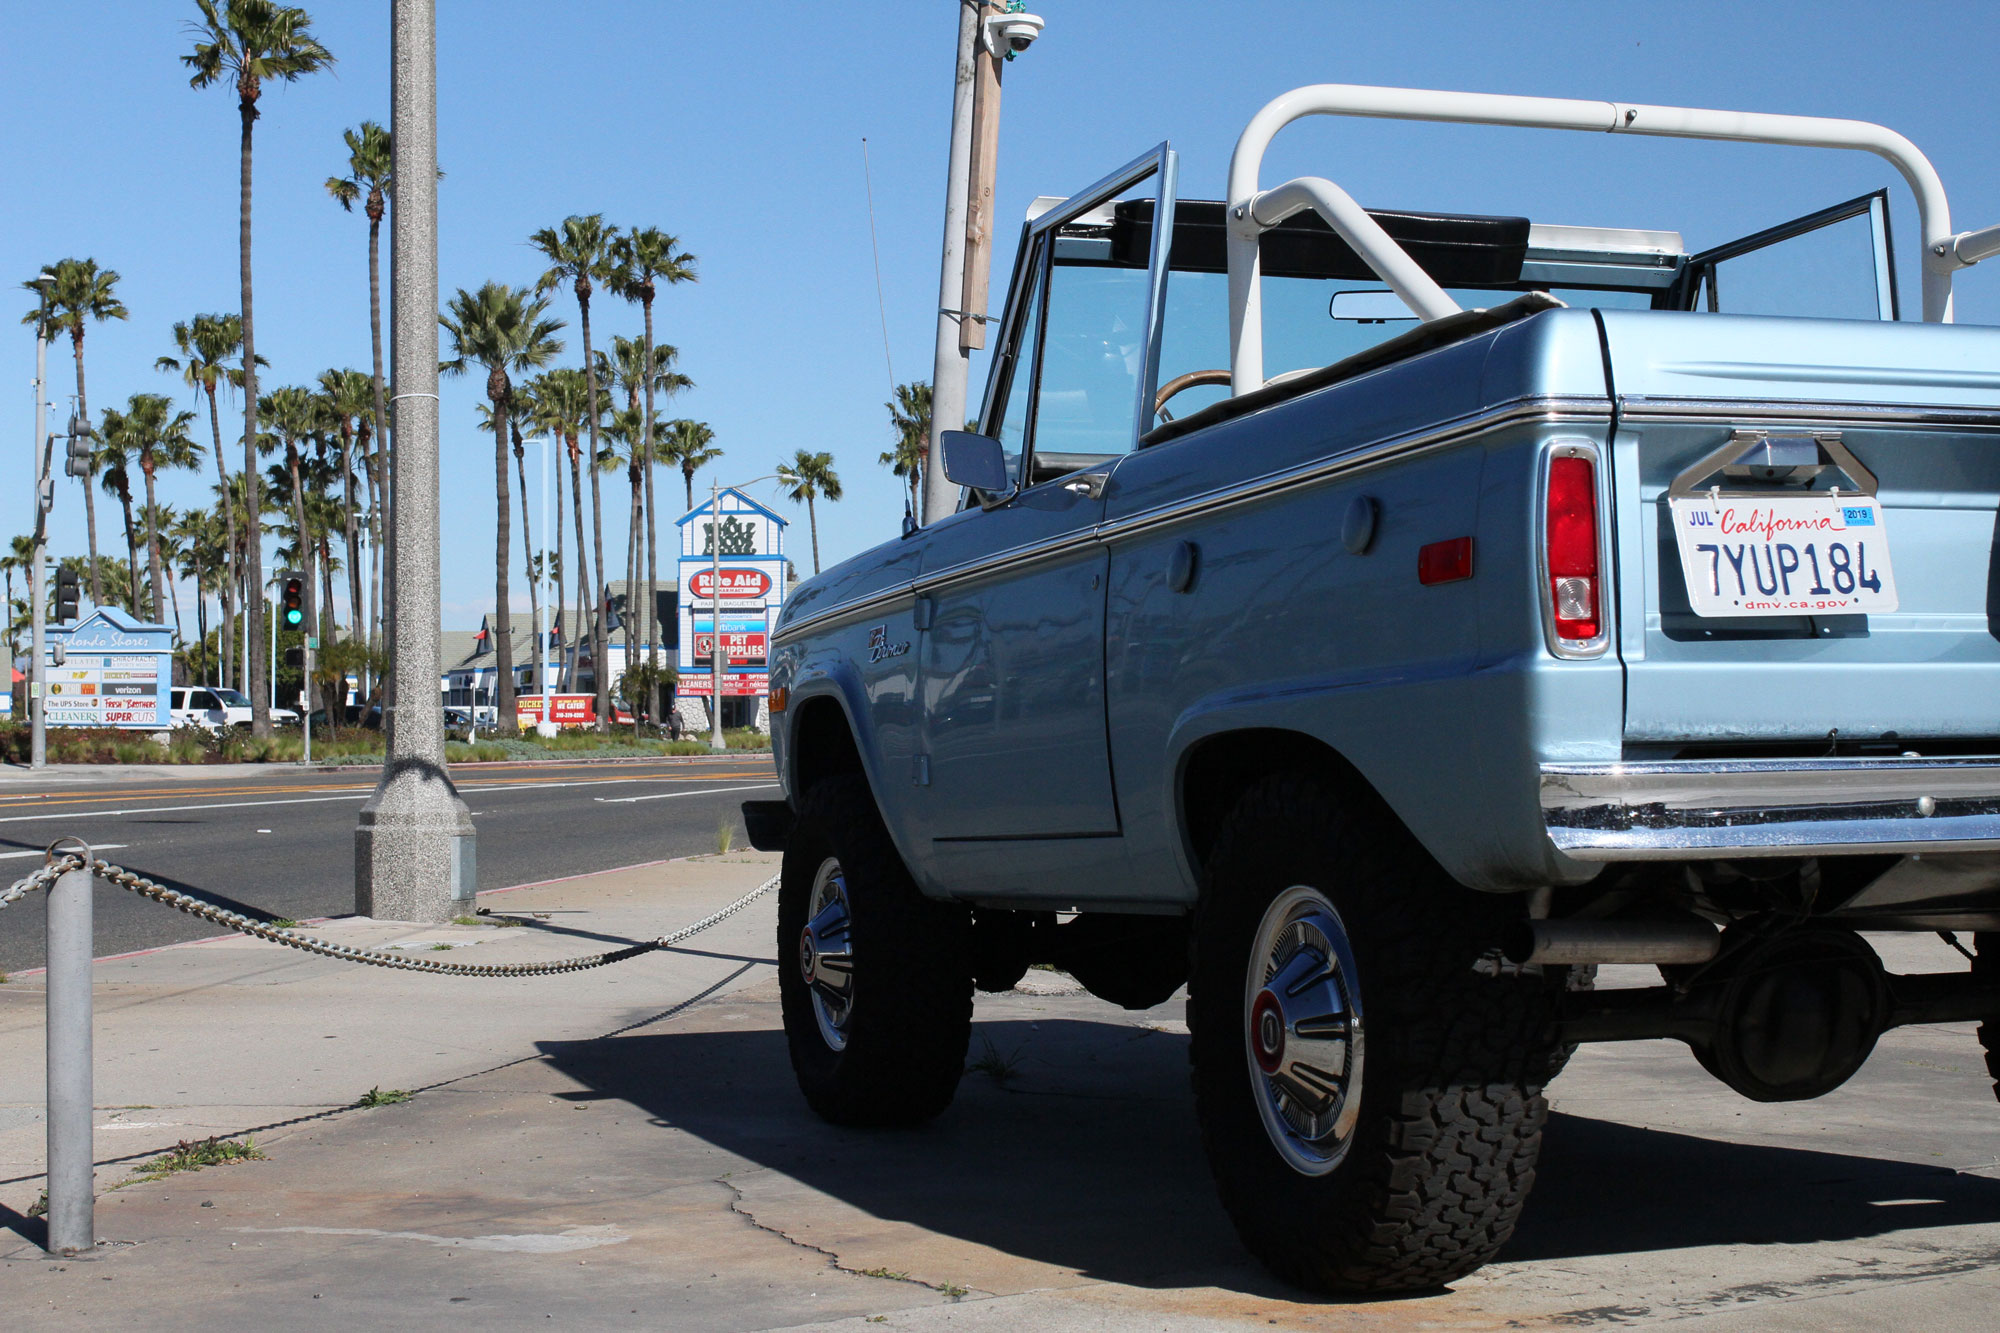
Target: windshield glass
(232, 698)
(1301, 331)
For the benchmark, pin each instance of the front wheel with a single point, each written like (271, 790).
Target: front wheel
(875, 980)
(1370, 1101)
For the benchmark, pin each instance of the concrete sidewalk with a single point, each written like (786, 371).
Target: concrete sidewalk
(594, 1149)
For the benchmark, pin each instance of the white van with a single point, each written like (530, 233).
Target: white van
(214, 707)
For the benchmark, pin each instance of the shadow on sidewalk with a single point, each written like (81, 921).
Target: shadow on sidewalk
(1089, 1158)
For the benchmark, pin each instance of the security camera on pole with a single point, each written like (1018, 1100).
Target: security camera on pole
(989, 34)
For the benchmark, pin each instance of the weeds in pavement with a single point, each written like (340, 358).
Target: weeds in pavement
(282, 923)
(3, 978)
(951, 1291)
(440, 948)
(40, 1207)
(887, 1274)
(194, 1155)
(725, 837)
(1000, 1068)
(377, 1097)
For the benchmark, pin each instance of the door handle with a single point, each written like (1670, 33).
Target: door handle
(1090, 485)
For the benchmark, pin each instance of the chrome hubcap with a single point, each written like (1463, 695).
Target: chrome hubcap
(825, 962)
(1303, 1028)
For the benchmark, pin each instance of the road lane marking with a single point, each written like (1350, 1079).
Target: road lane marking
(354, 793)
(100, 847)
(668, 795)
(317, 800)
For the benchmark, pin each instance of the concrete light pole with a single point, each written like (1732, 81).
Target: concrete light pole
(38, 736)
(951, 364)
(414, 848)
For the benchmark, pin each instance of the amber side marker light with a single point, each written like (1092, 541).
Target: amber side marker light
(779, 698)
(1445, 562)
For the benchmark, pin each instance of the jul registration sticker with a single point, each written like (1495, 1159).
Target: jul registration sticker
(1815, 553)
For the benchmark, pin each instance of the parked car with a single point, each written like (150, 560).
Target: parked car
(1520, 601)
(215, 707)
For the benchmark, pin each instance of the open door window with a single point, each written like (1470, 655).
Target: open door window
(1833, 264)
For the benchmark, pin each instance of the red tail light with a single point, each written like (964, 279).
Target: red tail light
(1571, 533)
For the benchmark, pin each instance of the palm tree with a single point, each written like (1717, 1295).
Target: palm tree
(558, 402)
(809, 477)
(505, 330)
(690, 446)
(910, 415)
(627, 367)
(158, 437)
(209, 347)
(348, 396)
(21, 556)
(529, 562)
(111, 460)
(370, 175)
(202, 538)
(81, 294)
(248, 43)
(646, 257)
(579, 253)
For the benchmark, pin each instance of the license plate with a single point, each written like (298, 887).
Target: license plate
(1784, 555)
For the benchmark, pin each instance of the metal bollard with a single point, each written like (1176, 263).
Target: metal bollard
(71, 1153)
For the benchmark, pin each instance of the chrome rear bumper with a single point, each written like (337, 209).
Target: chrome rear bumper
(1703, 809)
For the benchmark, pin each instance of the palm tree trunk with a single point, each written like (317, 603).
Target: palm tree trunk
(351, 533)
(528, 560)
(153, 542)
(90, 478)
(559, 572)
(201, 627)
(503, 628)
(812, 521)
(653, 635)
(174, 591)
(260, 713)
(652, 518)
(227, 595)
(305, 549)
(687, 476)
(131, 549)
(582, 560)
(598, 636)
(632, 569)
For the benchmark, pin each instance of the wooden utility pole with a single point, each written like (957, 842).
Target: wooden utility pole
(979, 190)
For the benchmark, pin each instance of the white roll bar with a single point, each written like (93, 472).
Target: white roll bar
(1252, 212)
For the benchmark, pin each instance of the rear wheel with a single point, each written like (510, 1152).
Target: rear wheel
(875, 979)
(1370, 1101)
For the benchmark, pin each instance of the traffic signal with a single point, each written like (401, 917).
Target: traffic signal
(295, 657)
(68, 593)
(291, 607)
(77, 461)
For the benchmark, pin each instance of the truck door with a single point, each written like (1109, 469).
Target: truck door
(1011, 597)
(1832, 264)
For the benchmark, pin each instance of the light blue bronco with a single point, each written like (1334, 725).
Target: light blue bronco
(1374, 621)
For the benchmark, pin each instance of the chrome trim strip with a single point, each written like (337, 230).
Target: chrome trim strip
(1735, 411)
(1392, 448)
(868, 604)
(1702, 809)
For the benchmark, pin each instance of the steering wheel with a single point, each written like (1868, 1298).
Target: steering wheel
(1192, 379)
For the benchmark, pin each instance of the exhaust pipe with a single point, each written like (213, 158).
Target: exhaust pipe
(1686, 939)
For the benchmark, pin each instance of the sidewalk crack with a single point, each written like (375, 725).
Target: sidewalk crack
(949, 1290)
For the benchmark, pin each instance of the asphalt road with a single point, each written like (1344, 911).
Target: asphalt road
(280, 843)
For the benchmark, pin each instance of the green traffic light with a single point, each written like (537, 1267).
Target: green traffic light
(293, 616)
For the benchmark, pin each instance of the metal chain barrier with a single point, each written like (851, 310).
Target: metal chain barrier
(160, 893)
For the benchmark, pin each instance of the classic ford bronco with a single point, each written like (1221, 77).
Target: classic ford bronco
(1376, 620)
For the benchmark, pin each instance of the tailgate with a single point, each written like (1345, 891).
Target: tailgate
(1918, 406)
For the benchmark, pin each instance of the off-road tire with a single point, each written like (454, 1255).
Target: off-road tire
(912, 998)
(1986, 966)
(1442, 1157)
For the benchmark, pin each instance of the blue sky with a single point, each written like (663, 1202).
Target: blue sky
(739, 129)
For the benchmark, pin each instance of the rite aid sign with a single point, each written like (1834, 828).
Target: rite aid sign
(737, 584)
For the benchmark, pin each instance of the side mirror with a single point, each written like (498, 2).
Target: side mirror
(974, 460)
